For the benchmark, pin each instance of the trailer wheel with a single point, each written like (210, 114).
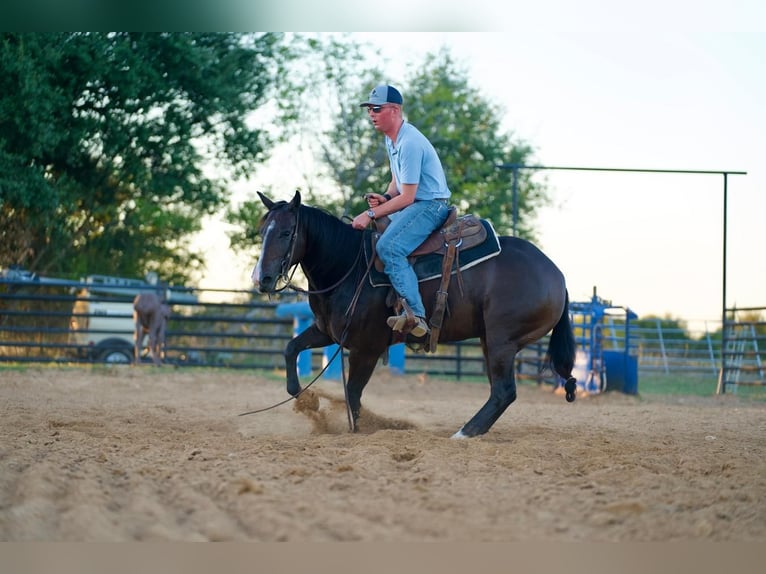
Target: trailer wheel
(114, 352)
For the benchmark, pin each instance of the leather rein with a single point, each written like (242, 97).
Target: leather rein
(287, 276)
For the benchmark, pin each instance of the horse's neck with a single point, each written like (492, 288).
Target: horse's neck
(331, 253)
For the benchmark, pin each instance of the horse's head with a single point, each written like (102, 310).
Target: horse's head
(278, 228)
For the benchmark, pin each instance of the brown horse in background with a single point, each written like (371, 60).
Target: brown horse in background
(150, 315)
(508, 302)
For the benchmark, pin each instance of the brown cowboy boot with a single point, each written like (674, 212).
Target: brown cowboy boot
(403, 324)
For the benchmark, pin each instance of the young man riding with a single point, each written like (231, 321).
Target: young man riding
(416, 199)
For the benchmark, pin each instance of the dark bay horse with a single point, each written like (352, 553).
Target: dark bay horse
(508, 301)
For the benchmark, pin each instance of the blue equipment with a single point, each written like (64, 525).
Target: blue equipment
(303, 317)
(604, 360)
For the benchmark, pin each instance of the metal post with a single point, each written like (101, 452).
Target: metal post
(710, 348)
(723, 290)
(516, 166)
(662, 345)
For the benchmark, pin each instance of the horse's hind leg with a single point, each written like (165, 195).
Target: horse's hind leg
(500, 365)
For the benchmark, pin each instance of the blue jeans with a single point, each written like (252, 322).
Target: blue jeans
(407, 230)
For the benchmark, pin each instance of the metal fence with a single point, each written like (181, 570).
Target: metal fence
(744, 349)
(91, 321)
(663, 348)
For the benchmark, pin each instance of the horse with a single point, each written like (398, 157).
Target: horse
(150, 315)
(507, 302)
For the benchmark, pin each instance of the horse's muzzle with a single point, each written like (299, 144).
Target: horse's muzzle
(263, 284)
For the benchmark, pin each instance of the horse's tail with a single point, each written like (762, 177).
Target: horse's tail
(561, 352)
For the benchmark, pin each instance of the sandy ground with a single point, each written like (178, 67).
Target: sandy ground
(148, 454)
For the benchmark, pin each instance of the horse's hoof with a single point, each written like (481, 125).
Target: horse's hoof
(294, 391)
(571, 397)
(459, 435)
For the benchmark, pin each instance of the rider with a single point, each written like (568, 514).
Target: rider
(416, 199)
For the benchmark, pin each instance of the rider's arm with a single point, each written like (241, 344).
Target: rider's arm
(399, 202)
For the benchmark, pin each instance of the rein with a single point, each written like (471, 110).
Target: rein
(287, 275)
(288, 399)
(349, 313)
(331, 287)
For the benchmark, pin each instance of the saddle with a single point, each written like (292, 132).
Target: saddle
(456, 234)
(467, 230)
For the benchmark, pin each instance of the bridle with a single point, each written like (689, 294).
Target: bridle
(286, 274)
(284, 266)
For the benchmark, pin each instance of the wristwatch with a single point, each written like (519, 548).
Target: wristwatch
(370, 214)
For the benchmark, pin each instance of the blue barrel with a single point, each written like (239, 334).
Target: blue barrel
(396, 359)
(333, 367)
(621, 372)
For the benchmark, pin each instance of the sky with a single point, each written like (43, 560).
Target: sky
(670, 98)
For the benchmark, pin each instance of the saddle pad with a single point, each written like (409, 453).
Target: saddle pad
(429, 266)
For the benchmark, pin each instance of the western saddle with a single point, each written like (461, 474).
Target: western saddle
(456, 234)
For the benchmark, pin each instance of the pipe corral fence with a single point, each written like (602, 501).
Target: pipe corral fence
(45, 320)
(729, 353)
(744, 352)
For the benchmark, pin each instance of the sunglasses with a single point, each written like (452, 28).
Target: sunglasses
(376, 109)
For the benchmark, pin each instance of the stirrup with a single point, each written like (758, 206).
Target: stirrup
(399, 323)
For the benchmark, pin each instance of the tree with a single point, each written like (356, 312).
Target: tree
(439, 100)
(335, 74)
(465, 130)
(108, 144)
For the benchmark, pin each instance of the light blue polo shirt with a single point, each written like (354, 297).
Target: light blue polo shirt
(414, 160)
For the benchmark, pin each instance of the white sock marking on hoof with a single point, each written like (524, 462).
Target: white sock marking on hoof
(459, 434)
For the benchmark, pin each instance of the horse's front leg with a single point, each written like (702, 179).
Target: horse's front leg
(361, 364)
(138, 339)
(311, 338)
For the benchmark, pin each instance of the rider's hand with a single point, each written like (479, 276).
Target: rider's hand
(374, 199)
(361, 221)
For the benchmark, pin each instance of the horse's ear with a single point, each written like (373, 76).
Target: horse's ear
(266, 201)
(295, 202)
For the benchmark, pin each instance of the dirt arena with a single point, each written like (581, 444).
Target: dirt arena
(148, 454)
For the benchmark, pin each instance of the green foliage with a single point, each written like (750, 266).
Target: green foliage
(245, 219)
(334, 76)
(349, 154)
(107, 140)
(439, 100)
(465, 129)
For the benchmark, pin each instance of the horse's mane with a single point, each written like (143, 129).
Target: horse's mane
(343, 238)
